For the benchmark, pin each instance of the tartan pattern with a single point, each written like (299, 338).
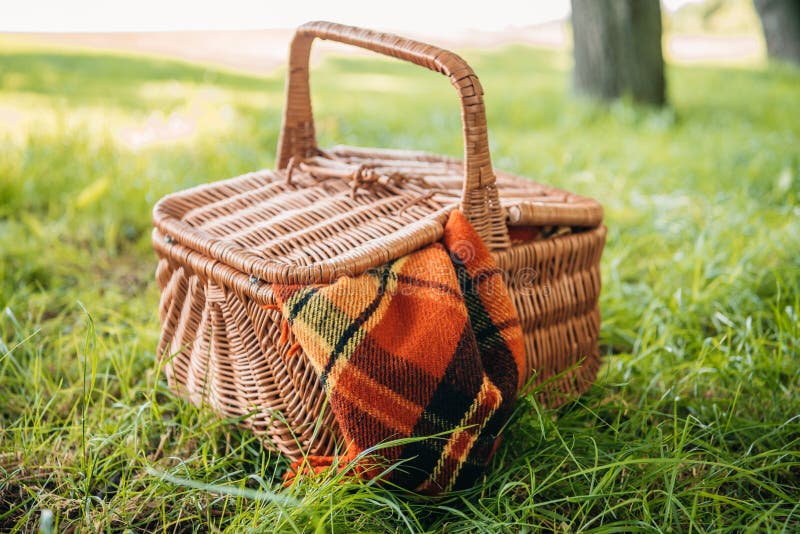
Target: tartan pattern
(427, 344)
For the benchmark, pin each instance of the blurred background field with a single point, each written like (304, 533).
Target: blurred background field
(718, 31)
(694, 424)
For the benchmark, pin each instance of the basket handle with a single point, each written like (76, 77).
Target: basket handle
(479, 201)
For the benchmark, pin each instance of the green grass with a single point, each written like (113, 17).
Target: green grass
(693, 425)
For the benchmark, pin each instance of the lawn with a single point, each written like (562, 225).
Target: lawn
(692, 426)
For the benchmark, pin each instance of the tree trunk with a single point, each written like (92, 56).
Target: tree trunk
(781, 22)
(618, 49)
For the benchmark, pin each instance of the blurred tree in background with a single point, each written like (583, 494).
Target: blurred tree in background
(618, 49)
(781, 22)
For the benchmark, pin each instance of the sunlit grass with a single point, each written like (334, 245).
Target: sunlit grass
(694, 424)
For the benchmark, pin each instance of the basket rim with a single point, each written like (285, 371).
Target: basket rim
(261, 291)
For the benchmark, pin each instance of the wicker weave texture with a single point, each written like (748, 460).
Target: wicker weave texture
(323, 214)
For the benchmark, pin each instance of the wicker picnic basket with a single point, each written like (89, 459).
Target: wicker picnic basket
(323, 214)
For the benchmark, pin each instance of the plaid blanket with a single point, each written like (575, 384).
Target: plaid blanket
(428, 345)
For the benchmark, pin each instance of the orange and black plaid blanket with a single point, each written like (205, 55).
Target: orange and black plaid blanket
(426, 346)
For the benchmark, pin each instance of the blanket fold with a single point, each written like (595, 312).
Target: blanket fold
(426, 345)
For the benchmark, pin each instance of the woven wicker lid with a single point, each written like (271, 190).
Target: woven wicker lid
(303, 231)
(345, 213)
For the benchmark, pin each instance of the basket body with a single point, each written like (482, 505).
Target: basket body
(322, 215)
(226, 350)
